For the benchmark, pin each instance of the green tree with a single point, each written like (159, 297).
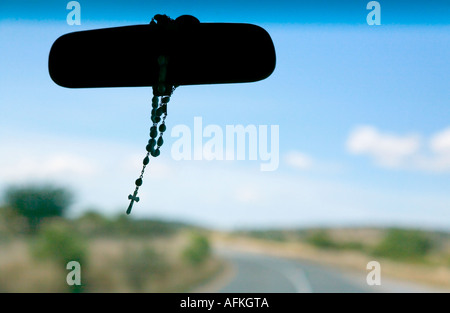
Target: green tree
(198, 249)
(36, 203)
(404, 244)
(321, 239)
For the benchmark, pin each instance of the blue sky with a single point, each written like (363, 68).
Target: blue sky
(363, 113)
(394, 12)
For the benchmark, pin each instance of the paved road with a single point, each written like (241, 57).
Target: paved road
(261, 273)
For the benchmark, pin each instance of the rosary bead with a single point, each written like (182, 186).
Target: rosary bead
(164, 108)
(159, 111)
(152, 145)
(156, 119)
(153, 132)
(146, 160)
(154, 112)
(165, 100)
(156, 153)
(162, 128)
(139, 182)
(160, 141)
(154, 105)
(155, 100)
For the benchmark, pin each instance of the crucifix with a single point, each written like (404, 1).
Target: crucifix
(133, 198)
(163, 55)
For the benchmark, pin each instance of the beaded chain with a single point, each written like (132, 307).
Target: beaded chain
(161, 97)
(159, 114)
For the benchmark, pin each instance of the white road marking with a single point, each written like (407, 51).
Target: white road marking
(297, 278)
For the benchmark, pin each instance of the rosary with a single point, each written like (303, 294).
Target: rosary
(159, 114)
(161, 97)
(139, 56)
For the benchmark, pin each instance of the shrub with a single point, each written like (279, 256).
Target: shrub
(321, 239)
(59, 242)
(404, 244)
(357, 246)
(198, 249)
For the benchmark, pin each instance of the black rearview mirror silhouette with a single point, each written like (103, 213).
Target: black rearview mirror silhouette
(196, 53)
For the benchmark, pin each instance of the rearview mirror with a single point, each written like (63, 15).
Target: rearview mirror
(196, 53)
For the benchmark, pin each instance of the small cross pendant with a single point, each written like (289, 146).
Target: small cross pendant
(133, 198)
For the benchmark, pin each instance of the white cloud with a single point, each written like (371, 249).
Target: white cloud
(440, 142)
(55, 165)
(388, 150)
(299, 160)
(410, 152)
(28, 163)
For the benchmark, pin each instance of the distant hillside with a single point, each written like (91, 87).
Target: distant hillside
(395, 243)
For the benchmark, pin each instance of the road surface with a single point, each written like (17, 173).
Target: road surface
(263, 274)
